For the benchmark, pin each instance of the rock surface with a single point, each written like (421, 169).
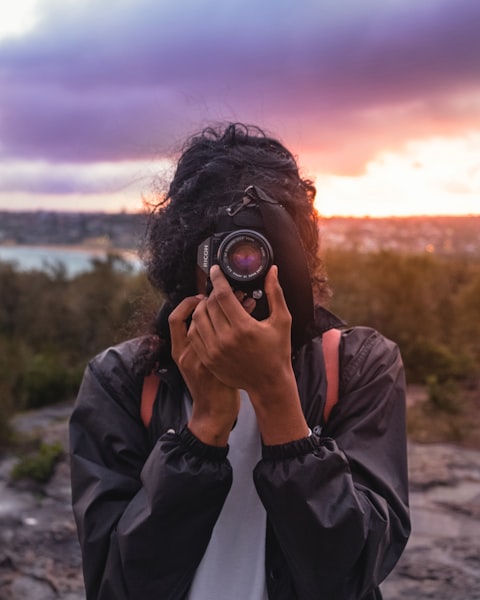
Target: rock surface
(442, 559)
(39, 553)
(40, 558)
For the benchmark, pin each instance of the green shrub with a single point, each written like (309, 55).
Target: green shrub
(426, 358)
(39, 466)
(444, 395)
(46, 381)
(6, 411)
(10, 373)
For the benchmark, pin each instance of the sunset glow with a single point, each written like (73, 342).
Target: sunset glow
(436, 176)
(379, 101)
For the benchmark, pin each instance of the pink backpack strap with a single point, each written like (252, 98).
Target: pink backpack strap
(331, 343)
(149, 393)
(330, 340)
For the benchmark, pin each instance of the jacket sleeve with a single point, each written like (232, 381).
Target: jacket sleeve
(143, 519)
(338, 501)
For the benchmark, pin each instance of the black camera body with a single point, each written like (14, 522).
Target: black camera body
(248, 237)
(243, 252)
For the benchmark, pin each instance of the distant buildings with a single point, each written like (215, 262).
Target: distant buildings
(439, 235)
(102, 230)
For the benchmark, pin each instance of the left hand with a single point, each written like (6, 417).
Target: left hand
(215, 405)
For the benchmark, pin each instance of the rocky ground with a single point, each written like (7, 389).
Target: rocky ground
(40, 558)
(442, 559)
(39, 553)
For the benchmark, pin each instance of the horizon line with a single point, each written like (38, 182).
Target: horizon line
(321, 216)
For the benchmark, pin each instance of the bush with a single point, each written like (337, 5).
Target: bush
(426, 359)
(427, 304)
(444, 396)
(50, 326)
(46, 381)
(6, 411)
(39, 466)
(10, 375)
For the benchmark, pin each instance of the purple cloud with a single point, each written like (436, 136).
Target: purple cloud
(95, 83)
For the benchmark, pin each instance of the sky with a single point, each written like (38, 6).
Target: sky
(378, 99)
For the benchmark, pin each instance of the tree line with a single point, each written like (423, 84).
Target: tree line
(50, 324)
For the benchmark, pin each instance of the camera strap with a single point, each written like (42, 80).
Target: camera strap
(289, 256)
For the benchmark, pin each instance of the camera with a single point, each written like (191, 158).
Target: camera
(247, 236)
(243, 255)
(241, 249)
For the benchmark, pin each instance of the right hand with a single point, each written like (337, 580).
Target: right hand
(215, 405)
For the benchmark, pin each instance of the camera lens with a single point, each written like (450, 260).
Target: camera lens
(245, 258)
(245, 255)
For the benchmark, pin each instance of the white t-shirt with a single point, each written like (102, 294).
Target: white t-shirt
(233, 565)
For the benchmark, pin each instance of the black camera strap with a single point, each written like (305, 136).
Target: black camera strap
(289, 256)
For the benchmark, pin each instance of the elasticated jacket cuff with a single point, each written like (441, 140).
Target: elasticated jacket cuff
(301, 447)
(198, 448)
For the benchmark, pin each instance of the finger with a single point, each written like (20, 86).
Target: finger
(249, 304)
(223, 298)
(239, 295)
(183, 310)
(177, 320)
(276, 300)
(201, 328)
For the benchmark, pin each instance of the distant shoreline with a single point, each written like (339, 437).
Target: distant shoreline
(88, 248)
(76, 258)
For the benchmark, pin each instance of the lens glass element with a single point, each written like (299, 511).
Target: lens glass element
(245, 258)
(245, 255)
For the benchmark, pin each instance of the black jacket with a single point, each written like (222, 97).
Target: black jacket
(145, 502)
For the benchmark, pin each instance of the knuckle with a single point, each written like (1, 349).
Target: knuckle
(172, 317)
(222, 293)
(209, 363)
(246, 334)
(213, 354)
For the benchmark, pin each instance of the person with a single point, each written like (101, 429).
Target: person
(243, 484)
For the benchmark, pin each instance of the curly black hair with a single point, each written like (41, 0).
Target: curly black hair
(214, 169)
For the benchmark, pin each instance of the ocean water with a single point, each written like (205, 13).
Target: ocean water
(45, 258)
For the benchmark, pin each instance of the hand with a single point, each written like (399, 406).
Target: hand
(241, 351)
(252, 355)
(215, 405)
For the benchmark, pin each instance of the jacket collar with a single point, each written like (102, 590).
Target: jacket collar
(325, 320)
